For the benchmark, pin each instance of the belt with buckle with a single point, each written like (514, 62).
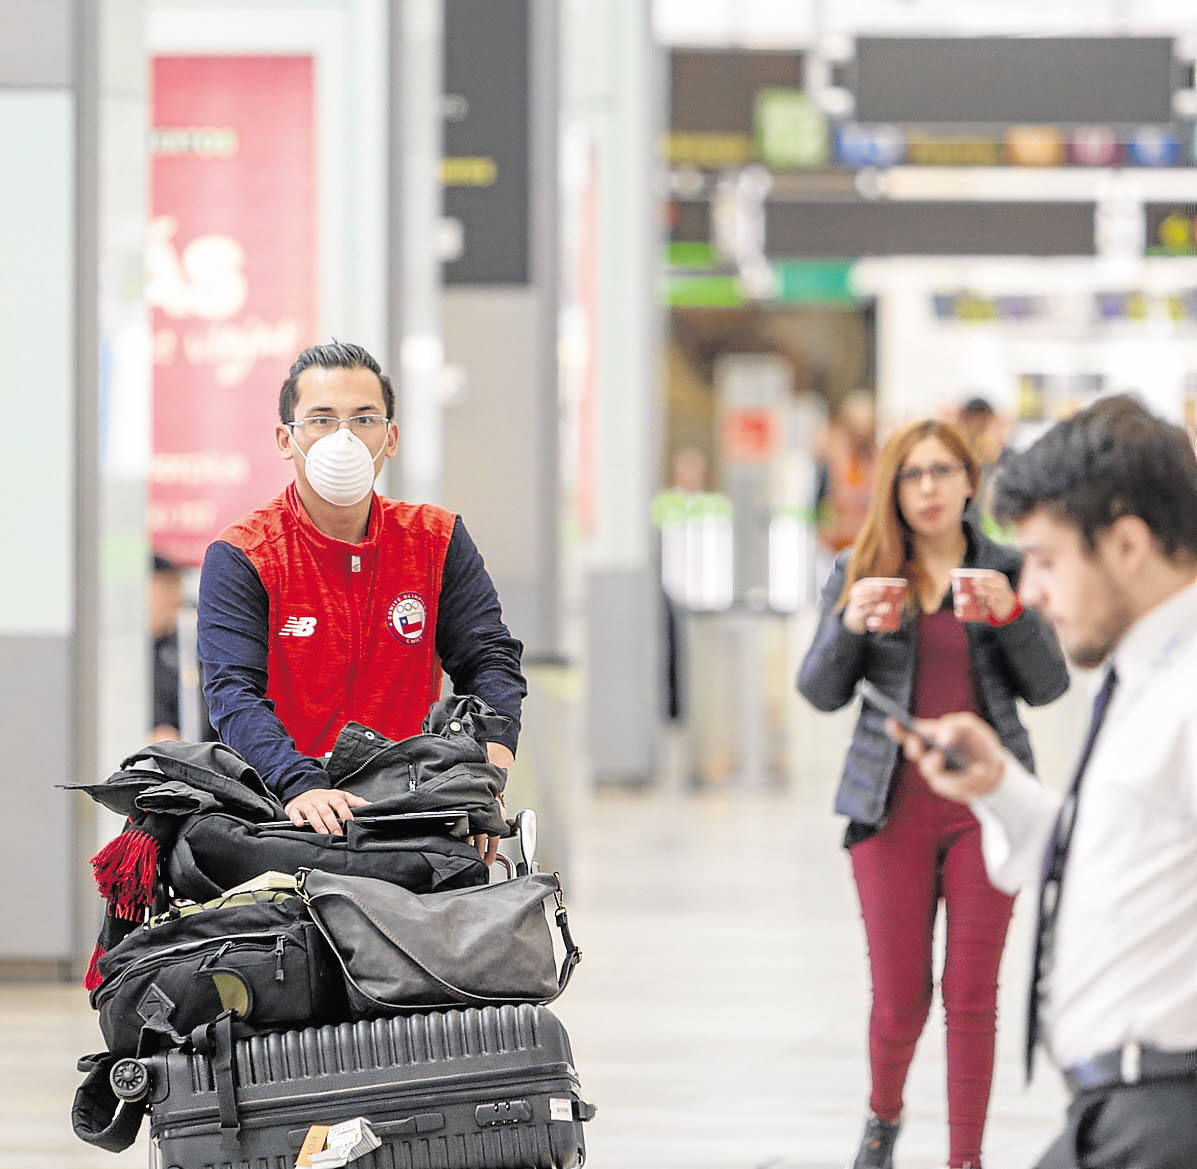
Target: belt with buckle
(1134, 1063)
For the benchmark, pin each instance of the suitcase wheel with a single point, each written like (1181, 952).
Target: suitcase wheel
(130, 1080)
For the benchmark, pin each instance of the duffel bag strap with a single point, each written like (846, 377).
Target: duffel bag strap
(572, 954)
(97, 1116)
(215, 1041)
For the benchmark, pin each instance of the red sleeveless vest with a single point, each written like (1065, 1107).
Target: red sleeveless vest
(352, 627)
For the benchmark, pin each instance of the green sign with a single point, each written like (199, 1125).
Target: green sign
(704, 291)
(791, 131)
(814, 282)
(690, 255)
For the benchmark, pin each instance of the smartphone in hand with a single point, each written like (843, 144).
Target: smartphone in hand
(953, 760)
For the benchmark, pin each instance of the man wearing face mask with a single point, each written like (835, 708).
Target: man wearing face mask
(332, 603)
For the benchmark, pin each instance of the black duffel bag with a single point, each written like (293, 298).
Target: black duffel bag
(215, 851)
(257, 954)
(464, 947)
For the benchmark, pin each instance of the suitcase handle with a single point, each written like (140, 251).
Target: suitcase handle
(412, 1126)
(408, 1127)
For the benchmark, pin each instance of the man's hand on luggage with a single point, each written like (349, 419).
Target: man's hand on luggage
(972, 738)
(488, 846)
(323, 808)
(500, 755)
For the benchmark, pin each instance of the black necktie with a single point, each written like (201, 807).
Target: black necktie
(1054, 860)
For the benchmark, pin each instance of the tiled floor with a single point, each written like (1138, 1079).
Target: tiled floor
(718, 1016)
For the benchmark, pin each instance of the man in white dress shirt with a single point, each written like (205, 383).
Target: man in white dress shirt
(1105, 506)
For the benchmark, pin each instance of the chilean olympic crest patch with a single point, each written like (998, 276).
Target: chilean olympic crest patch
(407, 617)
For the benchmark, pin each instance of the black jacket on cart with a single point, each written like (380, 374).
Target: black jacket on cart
(1019, 660)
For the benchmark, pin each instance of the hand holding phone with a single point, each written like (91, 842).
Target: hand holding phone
(869, 693)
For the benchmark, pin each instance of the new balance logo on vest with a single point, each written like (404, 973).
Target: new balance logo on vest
(298, 627)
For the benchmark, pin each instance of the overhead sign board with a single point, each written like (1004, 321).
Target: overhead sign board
(847, 229)
(1015, 80)
(485, 170)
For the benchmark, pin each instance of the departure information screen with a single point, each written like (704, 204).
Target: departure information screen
(1014, 80)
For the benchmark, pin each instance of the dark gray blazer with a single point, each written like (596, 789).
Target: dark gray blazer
(1019, 660)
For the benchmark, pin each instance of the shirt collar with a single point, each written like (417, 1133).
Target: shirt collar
(330, 543)
(1155, 636)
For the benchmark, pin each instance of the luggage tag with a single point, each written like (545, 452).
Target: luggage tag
(312, 1143)
(343, 1143)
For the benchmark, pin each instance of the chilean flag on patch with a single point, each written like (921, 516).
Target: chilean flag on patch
(407, 617)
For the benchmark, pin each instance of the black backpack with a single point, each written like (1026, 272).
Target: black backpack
(257, 954)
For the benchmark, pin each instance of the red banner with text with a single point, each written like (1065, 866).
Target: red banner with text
(232, 282)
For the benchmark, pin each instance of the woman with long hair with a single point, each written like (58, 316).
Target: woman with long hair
(899, 611)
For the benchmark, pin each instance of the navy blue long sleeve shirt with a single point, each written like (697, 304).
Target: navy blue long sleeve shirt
(475, 648)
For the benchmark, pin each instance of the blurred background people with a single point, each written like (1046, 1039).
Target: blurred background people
(987, 433)
(165, 601)
(890, 613)
(847, 454)
(673, 514)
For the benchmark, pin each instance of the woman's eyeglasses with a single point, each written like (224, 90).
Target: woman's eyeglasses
(912, 476)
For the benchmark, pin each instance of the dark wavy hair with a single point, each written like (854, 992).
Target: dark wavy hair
(1112, 459)
(335, 355)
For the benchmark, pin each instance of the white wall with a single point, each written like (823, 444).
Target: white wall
(37, 337)
(925, 363)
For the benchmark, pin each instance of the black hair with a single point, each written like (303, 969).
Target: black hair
(335, 355)
(1112, 459)
(162, 564)
(977, 408)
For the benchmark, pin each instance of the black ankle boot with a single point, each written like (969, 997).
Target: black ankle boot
(877, 1145)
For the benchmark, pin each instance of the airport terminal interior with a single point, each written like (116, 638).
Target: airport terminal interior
(654, 280)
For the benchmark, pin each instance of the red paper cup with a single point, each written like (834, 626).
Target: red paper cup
(964, 596)
(887, 617)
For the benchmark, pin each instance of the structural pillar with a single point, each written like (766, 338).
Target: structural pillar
(73, 640)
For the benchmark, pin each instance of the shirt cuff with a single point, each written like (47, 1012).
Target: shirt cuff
(302, 780)
(510, 738)
(1016, 820)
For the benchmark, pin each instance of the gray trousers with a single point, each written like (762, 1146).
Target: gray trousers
(1140, 1126)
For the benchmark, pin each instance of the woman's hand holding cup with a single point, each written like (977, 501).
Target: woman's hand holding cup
(875, 605)
(981, 593)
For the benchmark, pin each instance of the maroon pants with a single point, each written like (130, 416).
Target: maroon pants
(930, 848)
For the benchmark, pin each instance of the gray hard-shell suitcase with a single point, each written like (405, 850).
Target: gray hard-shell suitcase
(489, 1088)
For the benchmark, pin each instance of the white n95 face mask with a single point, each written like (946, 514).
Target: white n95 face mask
(340, 468)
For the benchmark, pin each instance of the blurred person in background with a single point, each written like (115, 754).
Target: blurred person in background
(846, 458)
(909, 847)
(331, 602)
(674, 508)
(986, 432)
(1105, 506)
(165, 601)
